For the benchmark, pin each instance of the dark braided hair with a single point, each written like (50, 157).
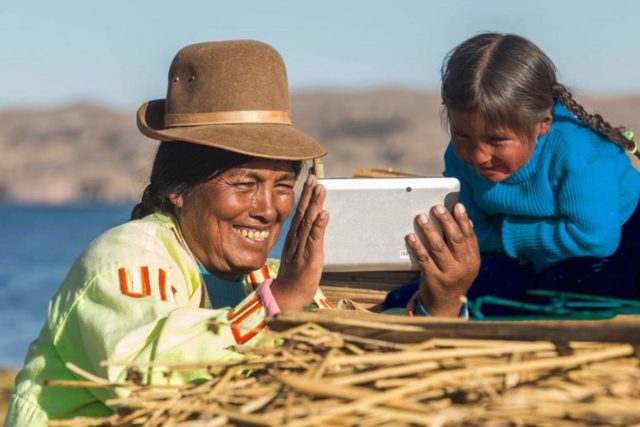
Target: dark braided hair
(179, 167)
(594, 121)
(509, 80)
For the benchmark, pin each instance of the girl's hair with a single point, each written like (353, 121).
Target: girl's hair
(179, 167)
(509, 80)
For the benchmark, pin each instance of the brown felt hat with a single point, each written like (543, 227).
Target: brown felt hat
(231, 95)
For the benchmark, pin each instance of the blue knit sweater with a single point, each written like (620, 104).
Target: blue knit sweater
(569, 200)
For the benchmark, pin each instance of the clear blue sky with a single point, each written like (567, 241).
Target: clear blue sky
(118, 51)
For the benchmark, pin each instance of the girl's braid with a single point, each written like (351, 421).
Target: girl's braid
(594, 121)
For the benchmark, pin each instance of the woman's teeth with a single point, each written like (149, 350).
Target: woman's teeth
(256, 235)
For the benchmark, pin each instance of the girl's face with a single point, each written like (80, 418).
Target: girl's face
(495, 153)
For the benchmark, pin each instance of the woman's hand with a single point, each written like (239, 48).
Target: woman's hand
(448, 266)
(303, 251)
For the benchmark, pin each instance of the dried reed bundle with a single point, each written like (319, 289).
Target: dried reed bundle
(338, 371)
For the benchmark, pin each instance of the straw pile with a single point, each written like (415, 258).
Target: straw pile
(346, 368)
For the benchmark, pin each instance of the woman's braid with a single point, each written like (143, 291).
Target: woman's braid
(150, 203)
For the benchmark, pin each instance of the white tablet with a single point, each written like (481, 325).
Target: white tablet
(370, 217)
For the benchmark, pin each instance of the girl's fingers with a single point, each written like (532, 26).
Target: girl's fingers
(453, 234)
(438, 249)
(466, 226)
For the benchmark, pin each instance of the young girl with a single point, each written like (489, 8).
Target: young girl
(549, 187)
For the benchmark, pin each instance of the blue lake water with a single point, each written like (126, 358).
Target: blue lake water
(38, 244)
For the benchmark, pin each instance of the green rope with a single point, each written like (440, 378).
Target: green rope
(560, 305)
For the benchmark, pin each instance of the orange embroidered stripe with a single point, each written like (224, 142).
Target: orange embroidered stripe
(146, 285)
(325, 303)
(258, 277)
(241, 339)
(239, 310)
(265, 272)
(124, 283)
(162, 284)
(253, 278)
(122, 274)
(235, 326)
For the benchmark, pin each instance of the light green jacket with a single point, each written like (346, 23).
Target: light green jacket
(135, 294)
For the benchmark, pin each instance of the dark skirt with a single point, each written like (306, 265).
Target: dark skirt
(616, 276)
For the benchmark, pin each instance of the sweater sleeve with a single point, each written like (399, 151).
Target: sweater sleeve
(145, 314)
(486, 227)
(588, 222)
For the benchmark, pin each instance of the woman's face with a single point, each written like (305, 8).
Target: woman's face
(232, 221)
(495, 153)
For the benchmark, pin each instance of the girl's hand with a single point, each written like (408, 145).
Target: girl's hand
(303, 251)
(448, 266)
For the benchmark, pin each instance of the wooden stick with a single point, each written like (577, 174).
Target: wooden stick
(300, 411)
(394, 414)
(374, 342)
(410, 356)
(623, 329)
(128, 419)
(179, 366)
(325, 389)
(377, 374)
(321, 368)
(220, 384)
(261, 402)
(91, 384)
(251, 419)
(84, 374)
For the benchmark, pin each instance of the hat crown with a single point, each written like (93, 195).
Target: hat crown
(229, 95)
(242, 75)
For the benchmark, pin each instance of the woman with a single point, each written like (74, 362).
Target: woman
(159, 287)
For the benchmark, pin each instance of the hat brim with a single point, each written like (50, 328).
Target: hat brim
(266, 140)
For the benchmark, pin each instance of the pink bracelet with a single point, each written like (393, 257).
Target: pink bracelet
(268, 301)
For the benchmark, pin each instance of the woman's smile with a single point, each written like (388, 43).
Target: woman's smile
(252, 234)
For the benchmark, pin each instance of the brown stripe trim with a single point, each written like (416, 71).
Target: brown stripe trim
(228, 117)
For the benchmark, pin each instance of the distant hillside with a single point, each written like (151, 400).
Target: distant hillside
(81, 152)
(86, 152)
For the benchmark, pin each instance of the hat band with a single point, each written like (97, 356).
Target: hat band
(228, 117)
